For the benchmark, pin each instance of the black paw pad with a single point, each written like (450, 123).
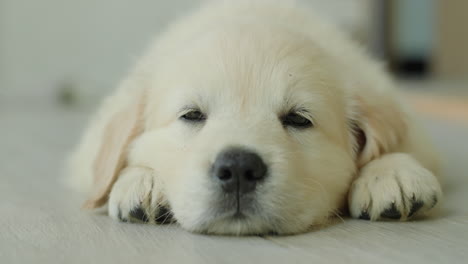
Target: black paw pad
(434, 201)
(272, 233)
(391, 213)
(164, 216)
(364, 215)
(139, 214)
(415, 206)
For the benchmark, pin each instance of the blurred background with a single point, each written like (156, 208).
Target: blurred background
(73, 52)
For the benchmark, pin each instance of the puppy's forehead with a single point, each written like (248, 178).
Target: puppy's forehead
(251, 68)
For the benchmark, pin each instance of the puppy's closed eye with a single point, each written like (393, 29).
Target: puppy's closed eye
(193, 116)
(296, 120)
(292, 119)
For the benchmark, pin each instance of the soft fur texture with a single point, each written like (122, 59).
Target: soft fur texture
(244, 65)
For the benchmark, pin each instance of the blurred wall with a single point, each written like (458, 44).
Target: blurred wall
(451, 54)
(49, 43)
(413, 32)
(88, 45)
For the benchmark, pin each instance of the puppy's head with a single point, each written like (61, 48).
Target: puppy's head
(248, 132)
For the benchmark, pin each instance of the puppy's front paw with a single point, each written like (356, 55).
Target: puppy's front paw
(137, 197)
(395, 187)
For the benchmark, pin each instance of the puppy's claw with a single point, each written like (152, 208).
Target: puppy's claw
(120, 217)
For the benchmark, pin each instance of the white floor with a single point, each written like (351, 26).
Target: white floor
(40, 221)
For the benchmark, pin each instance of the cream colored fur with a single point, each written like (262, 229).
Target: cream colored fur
(245, 63)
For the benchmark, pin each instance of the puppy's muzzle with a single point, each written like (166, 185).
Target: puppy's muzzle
(238, 171)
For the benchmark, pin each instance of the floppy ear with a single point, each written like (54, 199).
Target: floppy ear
(378, 125)
(103, 151)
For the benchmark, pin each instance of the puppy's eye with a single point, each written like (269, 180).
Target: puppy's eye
(194, 116)
(296, 120)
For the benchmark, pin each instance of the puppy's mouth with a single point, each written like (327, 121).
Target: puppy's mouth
(236, 205)
(231, 214)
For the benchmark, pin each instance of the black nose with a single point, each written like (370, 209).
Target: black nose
(239, 170)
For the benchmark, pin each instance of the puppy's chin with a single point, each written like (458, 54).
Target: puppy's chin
(232, 225)
(252, 221)
(237, 225)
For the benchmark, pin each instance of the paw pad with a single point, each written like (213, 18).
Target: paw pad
(164, 216)
(415, 206)
(391, 213)
(364, 215)
(139, 214)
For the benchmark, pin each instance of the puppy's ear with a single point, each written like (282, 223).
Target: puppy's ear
(103, 151)
(377, 126)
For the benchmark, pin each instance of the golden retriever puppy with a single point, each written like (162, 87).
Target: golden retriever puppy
(255, 117)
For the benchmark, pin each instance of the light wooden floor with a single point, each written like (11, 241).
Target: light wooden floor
(442, 100)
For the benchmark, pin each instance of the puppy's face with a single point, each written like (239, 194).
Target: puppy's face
(248, 134)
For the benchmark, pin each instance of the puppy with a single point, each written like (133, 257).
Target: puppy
(251, 118)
